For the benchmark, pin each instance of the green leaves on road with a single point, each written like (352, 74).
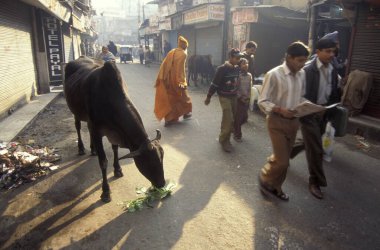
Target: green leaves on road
(150, 195)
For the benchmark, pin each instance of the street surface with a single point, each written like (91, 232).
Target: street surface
(216, 204)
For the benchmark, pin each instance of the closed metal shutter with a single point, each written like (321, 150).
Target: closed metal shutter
(17, 69)
(173, 38)
(366, 53)
(69, 50)
(189, 34)
(210, 42)
(76, 44)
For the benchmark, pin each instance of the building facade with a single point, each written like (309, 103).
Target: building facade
(37, 37)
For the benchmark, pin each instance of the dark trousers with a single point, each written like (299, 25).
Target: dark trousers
(141, 58)
(312, 128)
(240, 118)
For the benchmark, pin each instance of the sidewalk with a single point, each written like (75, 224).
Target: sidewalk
(365, 126)
(12, 125)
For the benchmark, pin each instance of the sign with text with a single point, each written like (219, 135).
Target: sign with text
(249, 15)
(204, 13)
(54, 48)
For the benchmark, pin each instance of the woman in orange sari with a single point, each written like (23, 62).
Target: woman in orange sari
(172, 98)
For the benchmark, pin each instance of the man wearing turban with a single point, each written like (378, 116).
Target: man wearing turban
(172, 99)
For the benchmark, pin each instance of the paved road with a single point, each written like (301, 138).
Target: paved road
(216, 204)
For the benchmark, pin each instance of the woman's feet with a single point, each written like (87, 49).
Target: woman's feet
(187, 116)
(169, 123)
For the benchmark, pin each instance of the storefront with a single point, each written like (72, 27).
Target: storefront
(18, 75)
(273, 28)
(366, 52)
(241, 20)
(203, 27)
(167, 34)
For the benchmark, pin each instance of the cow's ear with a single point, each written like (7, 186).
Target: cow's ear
(110, 67)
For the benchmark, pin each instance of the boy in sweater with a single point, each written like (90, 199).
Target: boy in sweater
(243, 96)
(225, 83)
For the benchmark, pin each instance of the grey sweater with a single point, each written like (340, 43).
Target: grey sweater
(245, 85)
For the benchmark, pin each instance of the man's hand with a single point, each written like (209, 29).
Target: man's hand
(285, 112)
(207, 101)
(288, 113)
(182, 86)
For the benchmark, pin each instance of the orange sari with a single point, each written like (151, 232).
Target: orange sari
(172, 99)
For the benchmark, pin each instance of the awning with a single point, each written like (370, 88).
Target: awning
(53, 7)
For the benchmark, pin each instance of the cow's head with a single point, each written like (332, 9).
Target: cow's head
(149, 160)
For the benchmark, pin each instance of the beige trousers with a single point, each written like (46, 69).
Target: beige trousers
(282, 133)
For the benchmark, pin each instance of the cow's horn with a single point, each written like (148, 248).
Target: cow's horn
(158, 136)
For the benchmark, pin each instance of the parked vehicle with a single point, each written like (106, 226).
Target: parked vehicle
(126, 53)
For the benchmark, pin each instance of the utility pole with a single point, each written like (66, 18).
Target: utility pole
(312, 23)
(225, 28)
(138, 22)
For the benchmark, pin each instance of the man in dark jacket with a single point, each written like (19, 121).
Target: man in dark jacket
(322, 88)
(225, 83)
(249, 54)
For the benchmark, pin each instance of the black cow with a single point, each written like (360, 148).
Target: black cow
(97, 95)
(200, 65)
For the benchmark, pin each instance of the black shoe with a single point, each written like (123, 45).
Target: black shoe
(271, 191)
(169, 123)
(227, 147)
(238, 139)
(315, 190)
(187, 116)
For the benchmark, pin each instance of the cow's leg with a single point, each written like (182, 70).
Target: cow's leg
(103, 162)
(93, 149)
(116, 166)
(195, 79)
(188, 77)
(80, 142)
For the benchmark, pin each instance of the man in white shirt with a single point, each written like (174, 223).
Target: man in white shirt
(283, 89)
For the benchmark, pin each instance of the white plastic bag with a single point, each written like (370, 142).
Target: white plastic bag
(255, 93)
(328, 142)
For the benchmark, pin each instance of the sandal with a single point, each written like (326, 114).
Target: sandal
(273, 192)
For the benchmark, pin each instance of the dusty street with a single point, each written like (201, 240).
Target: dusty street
(216, 204)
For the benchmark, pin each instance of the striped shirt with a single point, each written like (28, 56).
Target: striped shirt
(282, 88)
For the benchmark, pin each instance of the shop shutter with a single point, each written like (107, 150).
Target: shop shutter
(209, 42)
(189, 34)
(366, 53)
(69, 49)
(17, 68)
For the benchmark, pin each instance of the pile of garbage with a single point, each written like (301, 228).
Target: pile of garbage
(24, 163)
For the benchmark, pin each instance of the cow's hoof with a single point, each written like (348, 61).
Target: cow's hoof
(81, 152)
(118, 173)
(105, 197)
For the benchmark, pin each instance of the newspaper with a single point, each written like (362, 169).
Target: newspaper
(306, 108)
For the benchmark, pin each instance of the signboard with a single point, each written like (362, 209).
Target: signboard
(216, 12)
(249, 15)
(204, 13)
(54, 49)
